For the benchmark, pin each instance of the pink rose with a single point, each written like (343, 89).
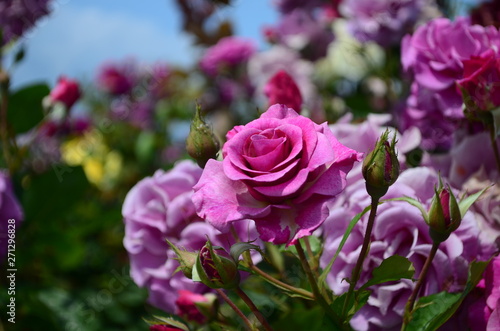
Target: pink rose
(481, 81)
(279, 171)
(281, 88)
(66, 91)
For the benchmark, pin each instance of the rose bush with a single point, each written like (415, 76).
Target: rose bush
(9, 209)
(279, 171)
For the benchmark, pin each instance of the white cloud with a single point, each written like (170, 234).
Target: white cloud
(75, 41)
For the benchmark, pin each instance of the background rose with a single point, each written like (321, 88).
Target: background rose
(66, 91)
(281, 88)
(159, 208)
(278, 170)
(481, 81)
(9, 209)
(433, 55)
(229, 51)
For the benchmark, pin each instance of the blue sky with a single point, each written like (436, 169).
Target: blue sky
(79, 35)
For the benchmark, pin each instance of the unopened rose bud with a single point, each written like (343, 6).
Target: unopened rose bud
(201, 143)
(216, 271)
(381, 166)
(186, 259)
(67, 91)
(195, 307)
(444, 214)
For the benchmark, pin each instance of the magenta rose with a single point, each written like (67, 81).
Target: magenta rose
(279, 171)
(281, 88)
(67, 91)
(481, 82)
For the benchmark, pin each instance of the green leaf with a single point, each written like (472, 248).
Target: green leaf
(328, 268)
(393, 268)
(54, 192)
(466, 203)
(25, 107)
(434, 310)
(412, 202)
(239, 248)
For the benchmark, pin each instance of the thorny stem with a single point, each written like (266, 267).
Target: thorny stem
(356, 272)
(416, 290)
(314, 263)
(253, 308)
(248, 324)
(314, 285)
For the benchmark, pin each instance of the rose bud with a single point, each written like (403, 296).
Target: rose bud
(281, 88)
(201, 143)
(67, 91)
(216, 271)
(186, 260)
(381, 166)
(192, 306)
(444, 214)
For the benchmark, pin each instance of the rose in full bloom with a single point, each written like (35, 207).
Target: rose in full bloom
(159, 208)
(11, 213)
(382, 21)
(229, 51)
(281, 88)
(279, 171)
(66, 91)
(19, 16)
(481, 81)
(434, 55)
(484, 314)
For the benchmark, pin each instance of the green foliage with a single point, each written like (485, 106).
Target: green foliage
(25, 107)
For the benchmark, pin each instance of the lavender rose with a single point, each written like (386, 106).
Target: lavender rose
(279, 171)
(10, 212)
(229, 51)
(160, 208)
(382, 21)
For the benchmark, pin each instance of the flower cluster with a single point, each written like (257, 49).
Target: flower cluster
(19, 16)
(435, 56)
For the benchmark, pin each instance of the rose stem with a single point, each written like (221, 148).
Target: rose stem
(253, 308)
(356, 272)
(421, 277)
(247, 322)
(317, 295)
(310, 253)
(268, 277)
(494, 145)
